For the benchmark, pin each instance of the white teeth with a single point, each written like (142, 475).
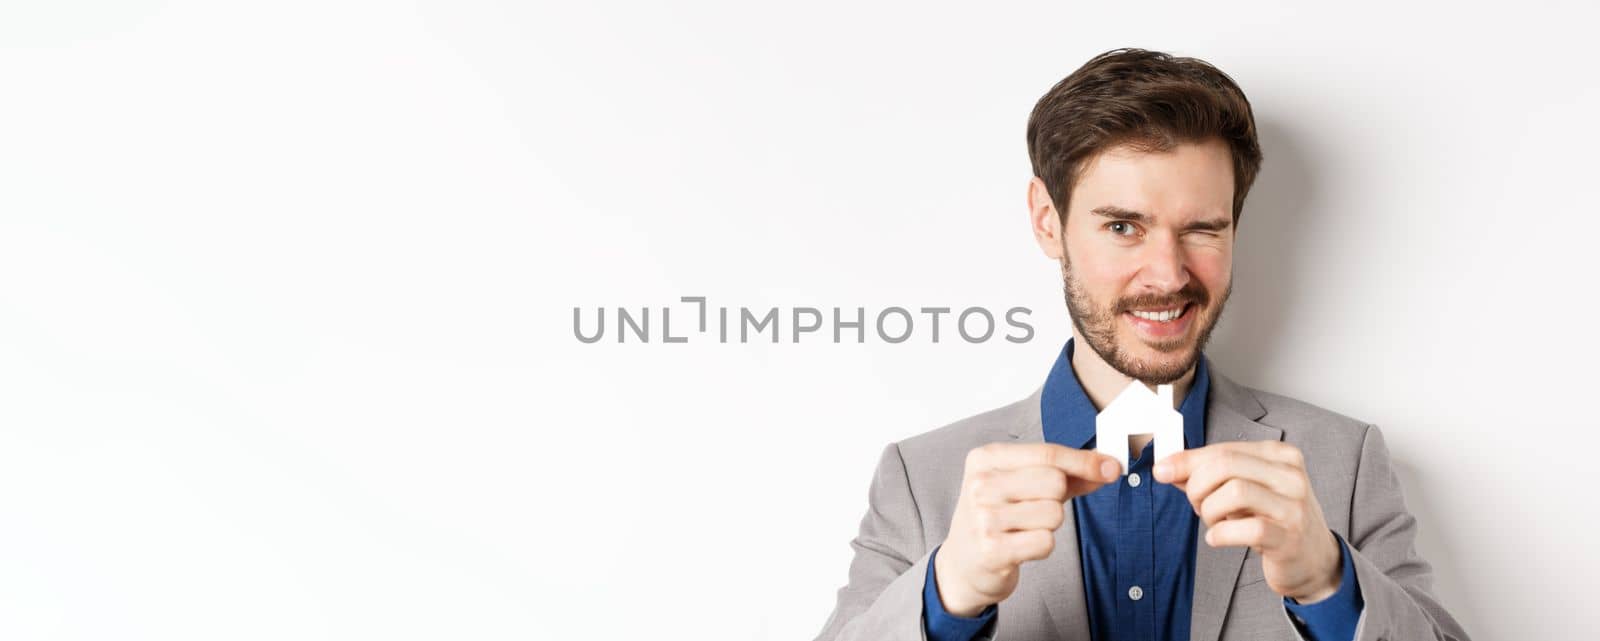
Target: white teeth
(1160, 317)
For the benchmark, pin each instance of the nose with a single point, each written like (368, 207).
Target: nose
(1163, 266)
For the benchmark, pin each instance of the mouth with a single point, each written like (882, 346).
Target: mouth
(1162, 323)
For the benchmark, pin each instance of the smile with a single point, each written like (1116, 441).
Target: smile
(1161, 316)
(1162, 323)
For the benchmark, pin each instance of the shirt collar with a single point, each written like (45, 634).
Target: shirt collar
(1069, 416)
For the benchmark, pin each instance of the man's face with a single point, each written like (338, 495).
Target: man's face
(1147, 256)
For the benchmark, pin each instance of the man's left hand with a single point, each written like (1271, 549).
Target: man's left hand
(1257, 494)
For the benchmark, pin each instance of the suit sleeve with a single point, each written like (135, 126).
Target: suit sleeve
(1396, 583)
(882, 599)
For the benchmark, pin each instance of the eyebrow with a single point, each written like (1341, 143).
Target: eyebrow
(1117, 213)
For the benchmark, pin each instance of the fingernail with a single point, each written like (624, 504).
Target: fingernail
(1163, 470)
(1108, 470)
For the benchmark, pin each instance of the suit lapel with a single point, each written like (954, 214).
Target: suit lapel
(1231, 411)
(1061, 573)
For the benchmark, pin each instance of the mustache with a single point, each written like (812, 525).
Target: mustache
(1193, 292)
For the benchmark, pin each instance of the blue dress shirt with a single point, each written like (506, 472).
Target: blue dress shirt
(1137, 538)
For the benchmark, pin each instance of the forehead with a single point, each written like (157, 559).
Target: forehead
(1189, 181)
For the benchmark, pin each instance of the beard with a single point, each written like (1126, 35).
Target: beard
(1100, 324)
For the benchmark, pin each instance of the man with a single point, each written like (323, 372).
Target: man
(1280, 520)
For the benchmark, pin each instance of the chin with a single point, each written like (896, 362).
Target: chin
(1158, 366)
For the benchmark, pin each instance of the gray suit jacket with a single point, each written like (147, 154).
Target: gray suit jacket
(918, 480)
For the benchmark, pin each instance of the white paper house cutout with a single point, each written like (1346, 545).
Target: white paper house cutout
(1137, 410)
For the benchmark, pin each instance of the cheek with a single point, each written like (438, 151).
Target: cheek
(1108, 278)
(1102, 268)
(1212, 270)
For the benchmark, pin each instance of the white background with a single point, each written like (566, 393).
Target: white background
(286, 295)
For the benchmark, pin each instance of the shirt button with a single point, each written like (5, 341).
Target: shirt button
(1136, 593)
(1133, 479)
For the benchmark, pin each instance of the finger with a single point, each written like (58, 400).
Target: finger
(1240, 498)
(1084, 464)
(1178, 467)
(999, 487)
(1030, 515)
(1027, 545)
(1255, 532)
(1226, 466)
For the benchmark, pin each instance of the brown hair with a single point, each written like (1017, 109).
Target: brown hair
(1148, 100)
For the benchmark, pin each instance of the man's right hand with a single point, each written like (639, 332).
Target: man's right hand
(1012, 500)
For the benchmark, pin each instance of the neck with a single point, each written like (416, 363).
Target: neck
(1103, 383)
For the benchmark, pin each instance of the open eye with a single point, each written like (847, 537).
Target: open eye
(1121, 227)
